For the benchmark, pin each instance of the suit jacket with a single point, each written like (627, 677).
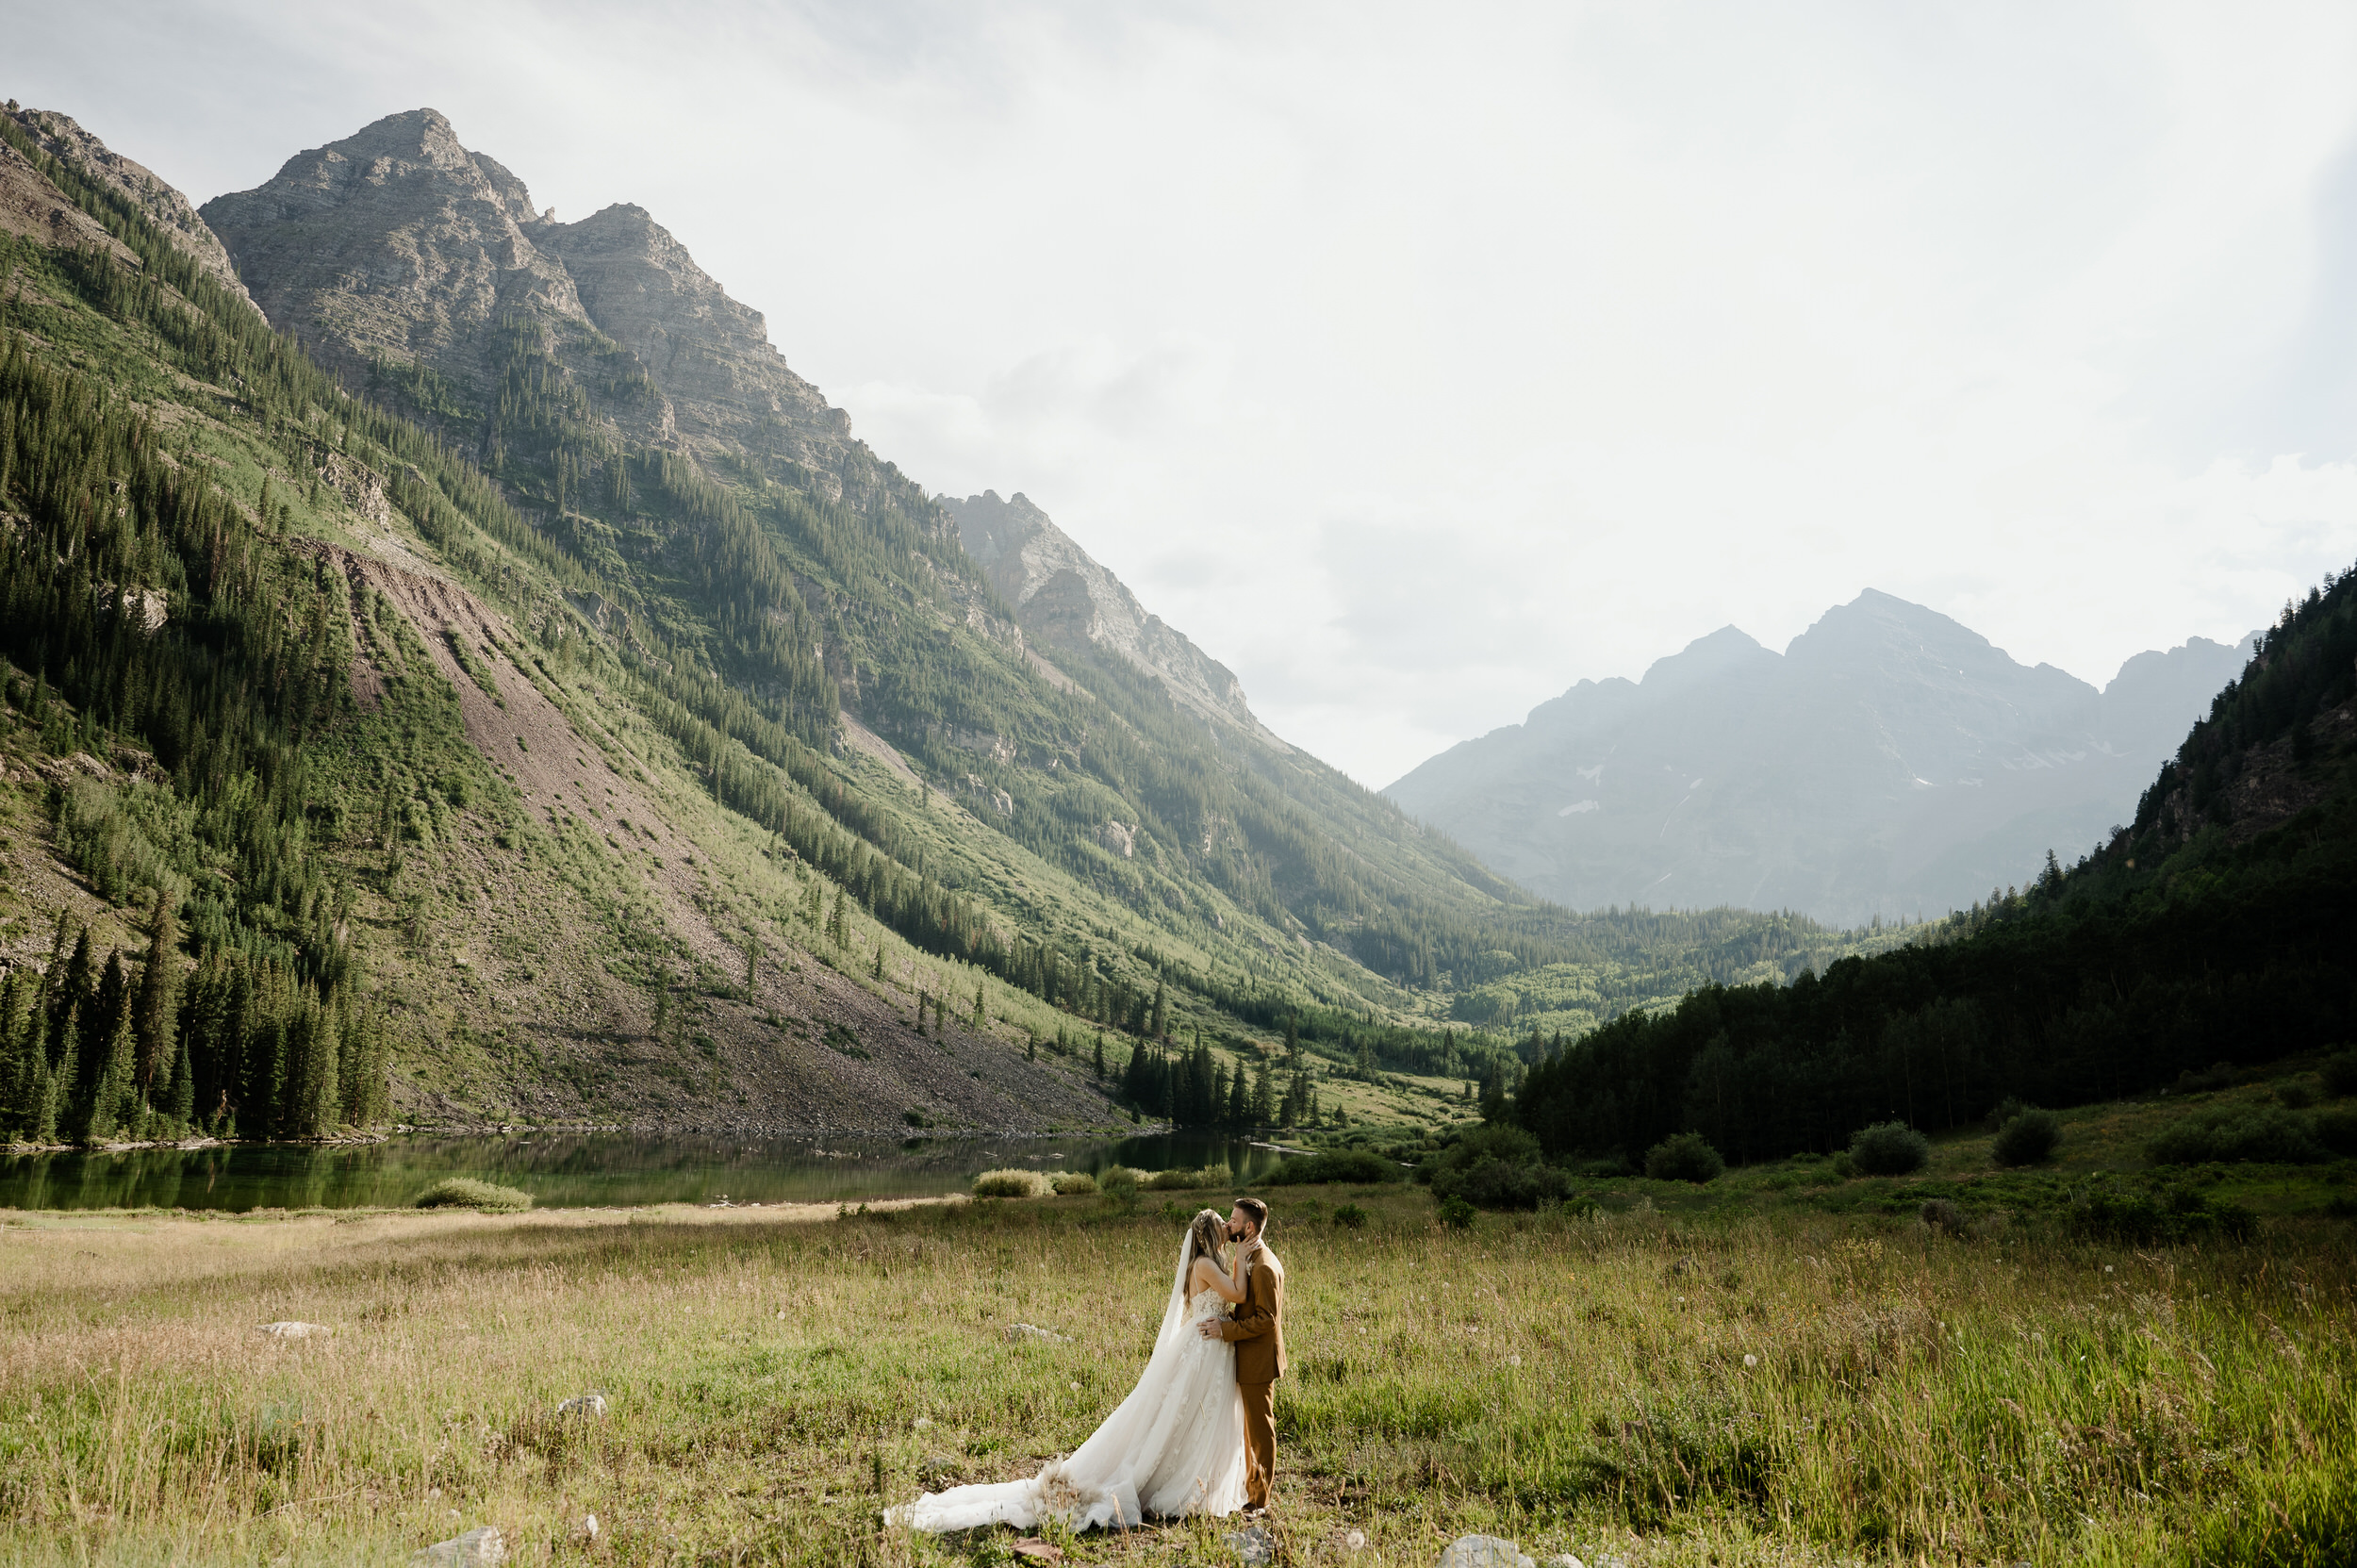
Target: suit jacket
(1256, 1327)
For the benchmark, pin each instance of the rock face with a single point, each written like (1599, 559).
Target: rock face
(398, 246)
(1890, 762)
(711, 355)
(70, 144)
(1064, 599)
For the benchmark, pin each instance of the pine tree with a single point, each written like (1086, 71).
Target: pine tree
(157, 1010)
(982, 1019)
(180, 1096)
(1263, 1095)
(112, 1095)
(1162, 1012)
(1239, 1099)
(752, 966)
(1030, 1047)
(1293, 1039)
(1101, 1059)
(876, 973)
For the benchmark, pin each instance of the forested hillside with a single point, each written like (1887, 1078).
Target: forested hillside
(535, 733)
(2219, 927)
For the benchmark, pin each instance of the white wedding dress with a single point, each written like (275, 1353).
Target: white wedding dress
(1174, 1446)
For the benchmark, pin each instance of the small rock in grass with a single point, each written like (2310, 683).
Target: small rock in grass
(479, 1547)
(1019, 1332)
(1037, 1550)
(583, 1404)
(1254, 1545)
(297, 1331)
(589, 1525)
(1484, 1551)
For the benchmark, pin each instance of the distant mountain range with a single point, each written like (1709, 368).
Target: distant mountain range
(1890, 762)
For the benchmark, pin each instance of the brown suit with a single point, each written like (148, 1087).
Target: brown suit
(1257, 1329)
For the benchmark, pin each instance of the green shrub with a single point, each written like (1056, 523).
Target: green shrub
(2028, 1138)
(1073, 1183)
(2227, 1133)
(1351, 1217)
(1361, 1165)
(1456, 1214)
(1119, 1181)
(463, 1191)
(1889, 1149)
(1190, 1181)
(1684, 1156)
(1495, 1166)
(2335, 1131)
(1011, 1183)
(2340, 1074)
(2294, 1096)
(2104, 1211)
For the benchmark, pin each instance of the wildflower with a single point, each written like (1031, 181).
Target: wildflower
(921, 1422)
(1355, 1541)
(1076, 1388)
(1751, 1360)
(1513, 1361)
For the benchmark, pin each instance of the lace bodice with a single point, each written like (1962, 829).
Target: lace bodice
(1205, 1304)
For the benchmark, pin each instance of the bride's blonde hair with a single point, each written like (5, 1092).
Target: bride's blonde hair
(1207, 1232)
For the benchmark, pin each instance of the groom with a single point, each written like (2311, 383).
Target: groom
(1257, 1332)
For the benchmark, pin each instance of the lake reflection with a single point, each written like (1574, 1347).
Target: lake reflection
(581, 1170)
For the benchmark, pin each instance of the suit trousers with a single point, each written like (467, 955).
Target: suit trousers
(1259, 1441)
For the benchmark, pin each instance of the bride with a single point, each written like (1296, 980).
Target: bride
(1176, 1445)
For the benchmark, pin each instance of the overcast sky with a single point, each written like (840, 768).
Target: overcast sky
(1420, 360)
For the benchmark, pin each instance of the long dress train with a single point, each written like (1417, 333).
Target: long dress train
(1174, 1446)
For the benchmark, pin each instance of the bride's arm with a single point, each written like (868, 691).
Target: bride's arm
(1208, 1277)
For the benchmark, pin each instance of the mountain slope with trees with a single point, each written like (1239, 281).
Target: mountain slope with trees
(461, 715)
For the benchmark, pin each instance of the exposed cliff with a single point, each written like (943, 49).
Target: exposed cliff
(1064, 598)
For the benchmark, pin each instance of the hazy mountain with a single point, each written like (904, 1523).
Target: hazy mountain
(1890, 762)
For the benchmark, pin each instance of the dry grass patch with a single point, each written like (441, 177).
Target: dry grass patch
(1817, 1391)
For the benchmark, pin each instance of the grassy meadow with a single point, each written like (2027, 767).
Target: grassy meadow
(1792, 1389)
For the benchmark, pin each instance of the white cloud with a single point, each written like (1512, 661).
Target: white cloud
(1418, 363)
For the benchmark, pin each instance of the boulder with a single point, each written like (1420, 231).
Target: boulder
(1019, 1332)
(297, 1331)
(1253, 1543)
(583, 1404)
(479, 1547)
(1484, 1551)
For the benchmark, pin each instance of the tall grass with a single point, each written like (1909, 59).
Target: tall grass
(1807, 1391)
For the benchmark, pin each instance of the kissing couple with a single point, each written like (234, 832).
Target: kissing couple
(1197, 1435)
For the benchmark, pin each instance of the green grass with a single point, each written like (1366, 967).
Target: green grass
(1796, 1388)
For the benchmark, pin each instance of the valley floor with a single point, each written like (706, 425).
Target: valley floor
(1799, 1389)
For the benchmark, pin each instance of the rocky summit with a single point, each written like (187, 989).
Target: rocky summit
(1890, 762)
(397, 250)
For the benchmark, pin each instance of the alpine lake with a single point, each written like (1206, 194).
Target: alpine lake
(580, 1170)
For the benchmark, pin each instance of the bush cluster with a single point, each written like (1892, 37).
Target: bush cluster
(1361, 1165)
(1011, 1183)
(1073, 1183)
(1495, 1167)
(464, 1192)
(2269, 1135)
(1889, 1149)
(2122, 1214)
(2029, 1137)
(1190, 1181)
(1684, 1156)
